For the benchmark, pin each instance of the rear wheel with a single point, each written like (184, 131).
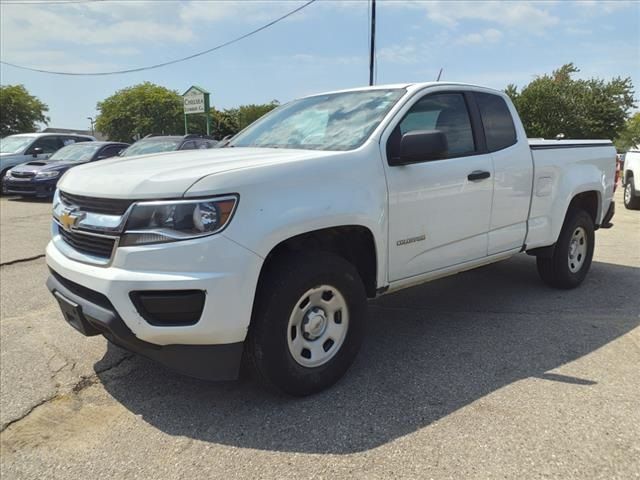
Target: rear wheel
(571, 259)
(631, 201)
(308, 322)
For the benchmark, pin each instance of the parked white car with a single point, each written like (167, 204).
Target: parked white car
(631, 174)
(270, 247)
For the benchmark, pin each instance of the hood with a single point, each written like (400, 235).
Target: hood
(36, 166)
(9, 159)
(169, 175)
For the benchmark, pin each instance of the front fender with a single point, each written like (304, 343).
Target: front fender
(281, 201)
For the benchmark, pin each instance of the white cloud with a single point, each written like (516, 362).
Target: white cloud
(120, 51)
(522, 15)
(246, 11)
(122, 28)
(490, 35)
(578, 31)
(405, 54)
(30, 26)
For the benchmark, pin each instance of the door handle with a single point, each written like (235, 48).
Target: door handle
(478, 175)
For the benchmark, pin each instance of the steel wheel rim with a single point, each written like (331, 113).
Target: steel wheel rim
(317, 326)
(627, 193)
(577, 249)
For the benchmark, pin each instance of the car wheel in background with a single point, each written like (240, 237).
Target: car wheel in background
(631, 201)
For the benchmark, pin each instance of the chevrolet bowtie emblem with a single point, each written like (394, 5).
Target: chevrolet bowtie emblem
(69, 218)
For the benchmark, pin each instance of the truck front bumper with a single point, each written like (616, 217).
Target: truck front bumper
(209, 283)
(208, 362)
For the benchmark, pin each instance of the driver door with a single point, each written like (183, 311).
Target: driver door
(439, 210)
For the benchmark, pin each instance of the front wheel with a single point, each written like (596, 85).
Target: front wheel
(571, 259)
(631, 201)
(308, 322)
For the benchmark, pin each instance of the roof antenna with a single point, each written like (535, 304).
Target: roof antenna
(439, 75)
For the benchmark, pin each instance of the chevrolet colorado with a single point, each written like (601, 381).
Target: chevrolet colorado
(268, 248)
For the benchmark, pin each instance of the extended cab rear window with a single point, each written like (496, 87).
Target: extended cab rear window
(499, 129)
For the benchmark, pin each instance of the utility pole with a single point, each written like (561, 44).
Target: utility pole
(93, 131)
(372, 55)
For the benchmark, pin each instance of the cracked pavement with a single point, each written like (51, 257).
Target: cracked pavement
(482, 375)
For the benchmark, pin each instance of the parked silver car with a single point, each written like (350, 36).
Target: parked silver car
(24, 147)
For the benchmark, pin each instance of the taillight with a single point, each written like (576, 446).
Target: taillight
(617, 177)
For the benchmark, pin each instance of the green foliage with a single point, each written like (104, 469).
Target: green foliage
(20, 112)
(247, 114)
(230, 121)
(630, 135)
(140, 110)
(557, 103)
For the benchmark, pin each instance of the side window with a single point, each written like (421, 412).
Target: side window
(81, 139)
(109, 152)
(498, 123)
(68, 141)
(446, 112)
(190, 145)
(47, 144)
(204, 144)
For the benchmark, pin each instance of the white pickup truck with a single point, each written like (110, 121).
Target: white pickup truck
(268, 248)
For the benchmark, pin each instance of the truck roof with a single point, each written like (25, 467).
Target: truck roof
(408, 86)
(50, 134)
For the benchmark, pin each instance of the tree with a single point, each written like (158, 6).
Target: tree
(20, 111)
(140, 110)
(630, 136)
(558, 103)
(231, 120)
(247, 114)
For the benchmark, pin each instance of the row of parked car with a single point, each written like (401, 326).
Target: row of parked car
(32, 163)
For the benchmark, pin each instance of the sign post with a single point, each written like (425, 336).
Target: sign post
(196, 101)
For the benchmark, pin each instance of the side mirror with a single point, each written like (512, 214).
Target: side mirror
(422, 146)
(37, 151)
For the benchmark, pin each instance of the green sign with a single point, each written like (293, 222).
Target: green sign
(196, 101)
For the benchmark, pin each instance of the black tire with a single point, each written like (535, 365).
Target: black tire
(2, 175)
(555, 271)
(281, 288)
(631, 201)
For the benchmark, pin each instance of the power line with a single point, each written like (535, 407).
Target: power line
(170, 62)
(53, 2)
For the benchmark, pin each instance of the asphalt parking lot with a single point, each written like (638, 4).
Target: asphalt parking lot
(487, 374)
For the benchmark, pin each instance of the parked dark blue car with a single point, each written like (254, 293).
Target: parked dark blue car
(39, 178)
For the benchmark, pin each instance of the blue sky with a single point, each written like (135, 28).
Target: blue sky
(323, 47)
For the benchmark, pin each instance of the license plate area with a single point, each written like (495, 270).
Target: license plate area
(72, 313)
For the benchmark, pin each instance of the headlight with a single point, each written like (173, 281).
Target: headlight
(51, 174)
(170, 221)
(8, 173)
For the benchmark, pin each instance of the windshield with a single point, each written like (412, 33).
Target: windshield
(76, 153)
(142, 147)
(15, 144)
(336, 121)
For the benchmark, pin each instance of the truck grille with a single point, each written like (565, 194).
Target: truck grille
(89, 244)
(107, 206)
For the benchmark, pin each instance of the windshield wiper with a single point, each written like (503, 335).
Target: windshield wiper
(224, 143)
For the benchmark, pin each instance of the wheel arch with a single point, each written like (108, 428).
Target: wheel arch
(354, 243)
(589, 201)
